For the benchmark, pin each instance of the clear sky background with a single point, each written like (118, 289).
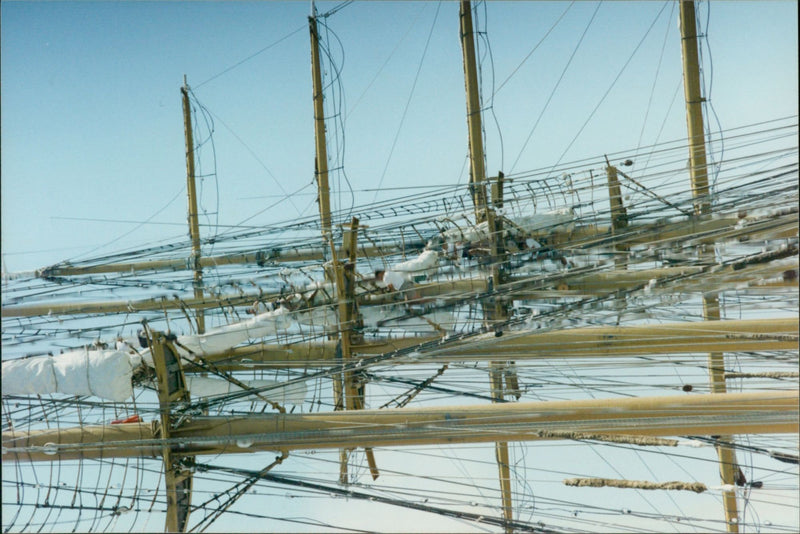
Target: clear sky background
(92, 125)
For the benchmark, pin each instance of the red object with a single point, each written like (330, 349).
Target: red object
(131, 419)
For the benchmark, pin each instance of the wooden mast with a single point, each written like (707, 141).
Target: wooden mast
(493, 310)
(619, 221)
(477, 179)
(194, 226)
(178, 468)
(321, 170)
(332, 275)
(619, 215)
(347, 393)
(321, 166)
(698, 171)
(501, 374)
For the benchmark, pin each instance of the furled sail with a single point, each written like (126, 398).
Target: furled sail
(100, 373)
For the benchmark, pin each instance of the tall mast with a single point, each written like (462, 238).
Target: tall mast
(323, 197)
(477, 178)
(698, 170)
(172, 392)
(347, 393)
(698, 173)
(494, 310)
(321, 168)
(194, 226)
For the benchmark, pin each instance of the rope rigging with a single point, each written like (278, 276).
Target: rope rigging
(601, 327)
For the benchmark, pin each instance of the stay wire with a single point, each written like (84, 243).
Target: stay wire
(535, 47)
(339, 107)
(484, 35)
(613, 83)
(185, 244)
(555, 87)
(408, 100)
(251, 56)
(258, 159)
(376, 498)
(655, 78)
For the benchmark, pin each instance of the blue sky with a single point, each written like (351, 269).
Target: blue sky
(92, 125)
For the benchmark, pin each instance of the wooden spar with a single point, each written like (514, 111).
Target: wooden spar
(345, 389)
(177, 467)
(194, 225)
(323, 198)
(496, 244)
(261, 257)
(500, 275)
(503, 463)
(727, 457)
(345, 285)
(698, 171)
(747, 335)
(321, 168)
(730, 413)
(608, 281)
(351, 399)
(477, 178)
(484, 213)
(133, 306)
(303, 355)
(619, 215)
(736, 335)
(592, 283)
(353, 388)
(502, 375)
(619, 221)
(492, 310)
(700, 230)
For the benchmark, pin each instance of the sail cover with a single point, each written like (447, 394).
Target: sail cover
(100, 373)
(409, 270)
(225, 337)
